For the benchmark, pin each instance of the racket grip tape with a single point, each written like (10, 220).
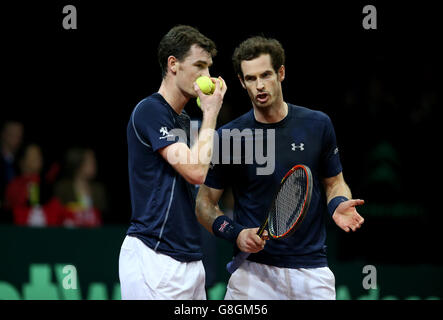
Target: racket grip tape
(237, 261)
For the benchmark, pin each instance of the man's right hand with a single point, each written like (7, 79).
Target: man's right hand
(212, 103)
(249, 241)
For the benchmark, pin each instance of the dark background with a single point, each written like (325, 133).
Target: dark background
(381, 88)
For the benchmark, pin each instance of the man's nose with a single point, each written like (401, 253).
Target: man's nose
(205, 73)
(260, 85)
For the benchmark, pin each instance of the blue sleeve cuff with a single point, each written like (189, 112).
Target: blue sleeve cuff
(333, 204)
(225, 228)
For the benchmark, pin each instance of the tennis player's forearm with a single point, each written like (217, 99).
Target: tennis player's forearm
(209, 120)
(207, 213)
(339, 188)
(202, 150)
(207, 209)
(336, 186)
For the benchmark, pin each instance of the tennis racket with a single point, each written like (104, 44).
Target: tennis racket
(288, 208)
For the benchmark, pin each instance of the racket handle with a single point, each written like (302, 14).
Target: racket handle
(237, 261)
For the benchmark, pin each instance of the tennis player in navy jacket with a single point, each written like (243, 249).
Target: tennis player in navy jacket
(161, 256)
(295, 267)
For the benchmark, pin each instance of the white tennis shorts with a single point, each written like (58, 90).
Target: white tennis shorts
(149, 275)
(256, 281)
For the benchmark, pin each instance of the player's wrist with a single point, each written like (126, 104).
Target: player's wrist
(209, 120)
(334, 203)
(225, 228)
(211, 113)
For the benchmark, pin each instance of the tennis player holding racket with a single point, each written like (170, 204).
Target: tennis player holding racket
(295, 267)
(160, 257)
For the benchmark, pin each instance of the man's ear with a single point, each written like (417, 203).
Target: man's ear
(241, 81)
(281, 73)
(172, 64)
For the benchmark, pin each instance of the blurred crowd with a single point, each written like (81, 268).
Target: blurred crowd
(64, 194)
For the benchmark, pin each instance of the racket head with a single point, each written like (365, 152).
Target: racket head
(291, 202)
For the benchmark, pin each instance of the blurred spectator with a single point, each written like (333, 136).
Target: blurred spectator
(84, 199)
(27, 195)
(10, 140)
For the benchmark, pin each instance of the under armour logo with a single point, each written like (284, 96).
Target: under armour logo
(164, 131)
(301, 146)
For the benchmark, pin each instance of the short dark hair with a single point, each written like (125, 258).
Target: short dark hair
(254, 47)
(177, 43)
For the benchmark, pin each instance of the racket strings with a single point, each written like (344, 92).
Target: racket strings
(289, 203)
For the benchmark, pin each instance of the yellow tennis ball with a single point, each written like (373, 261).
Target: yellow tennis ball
(213, 86)
(205, 84)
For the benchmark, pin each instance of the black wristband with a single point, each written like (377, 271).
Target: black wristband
(225, 228)
(333, 204)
